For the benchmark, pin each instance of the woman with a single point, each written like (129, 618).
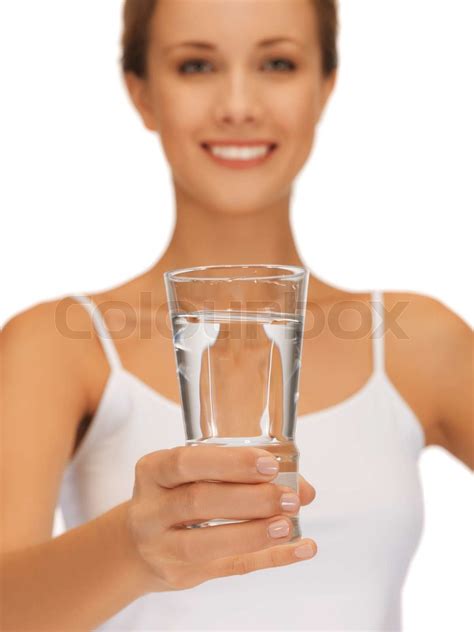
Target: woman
(258, 75)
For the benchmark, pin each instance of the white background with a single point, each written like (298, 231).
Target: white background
(382, 203)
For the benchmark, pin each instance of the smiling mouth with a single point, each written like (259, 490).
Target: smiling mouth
(240, 155)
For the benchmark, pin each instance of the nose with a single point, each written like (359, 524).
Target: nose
(237, 101)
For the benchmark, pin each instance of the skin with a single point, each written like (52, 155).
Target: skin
(221, 216)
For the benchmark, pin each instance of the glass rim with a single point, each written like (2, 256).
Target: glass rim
(297, 273)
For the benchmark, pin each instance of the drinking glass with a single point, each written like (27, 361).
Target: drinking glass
(237, 335)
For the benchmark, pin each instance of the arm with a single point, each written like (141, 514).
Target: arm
(75, 581)
(454, 383)
(431, 360)
(89, 573)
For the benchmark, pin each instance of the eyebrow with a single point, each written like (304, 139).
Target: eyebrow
(208, 46)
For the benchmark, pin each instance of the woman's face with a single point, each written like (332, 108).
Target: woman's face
(236, 85)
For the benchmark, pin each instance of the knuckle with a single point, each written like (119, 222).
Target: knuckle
(242, 565)
(192, 499)
(274, 557)
(142, 466)
(179, 459)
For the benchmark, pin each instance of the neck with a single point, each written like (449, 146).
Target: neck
(205, 237)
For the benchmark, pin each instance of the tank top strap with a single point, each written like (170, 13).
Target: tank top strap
(101, 330)
(378, 331)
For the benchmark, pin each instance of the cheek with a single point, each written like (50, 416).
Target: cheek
(182, 113)
(178, 129)
(296, 111)
(168, 100)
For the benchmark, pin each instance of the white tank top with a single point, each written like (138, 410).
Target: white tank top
(362, 457)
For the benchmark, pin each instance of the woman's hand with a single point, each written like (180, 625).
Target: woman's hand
(181, 486)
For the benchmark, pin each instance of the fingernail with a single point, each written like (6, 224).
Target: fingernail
(304, 552)
(267, 465)
(289, 502)
(279, 529)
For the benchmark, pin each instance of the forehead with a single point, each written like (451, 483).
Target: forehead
(232, 23)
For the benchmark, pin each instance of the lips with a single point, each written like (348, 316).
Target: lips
(239, 162)
(238, 143)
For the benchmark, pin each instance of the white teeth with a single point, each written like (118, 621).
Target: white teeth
(240, 153)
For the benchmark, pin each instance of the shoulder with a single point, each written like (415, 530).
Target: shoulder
(434, 345)
(423, 309)
(420, 319)
(34, 326)
(51, 341)
(57, 322)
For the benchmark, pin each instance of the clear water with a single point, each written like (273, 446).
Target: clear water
(238, 374)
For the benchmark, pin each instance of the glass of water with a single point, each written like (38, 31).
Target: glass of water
(237, 334)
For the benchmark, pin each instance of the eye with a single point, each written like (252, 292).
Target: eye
(283, 64)
(193, 66)
(183, 68)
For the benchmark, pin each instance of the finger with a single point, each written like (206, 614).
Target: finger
(185, 464)
(279, 555)
(202, 545)
(306, 491)
(200, 501)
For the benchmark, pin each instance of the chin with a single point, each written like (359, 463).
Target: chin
(238, 204)
(229, 200)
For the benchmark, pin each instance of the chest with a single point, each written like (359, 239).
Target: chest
(361, 458)
(337, 362)
(366, 518)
